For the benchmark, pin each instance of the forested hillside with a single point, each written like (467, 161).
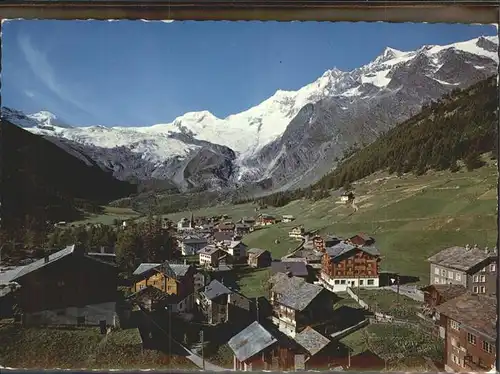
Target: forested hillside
(460, 127)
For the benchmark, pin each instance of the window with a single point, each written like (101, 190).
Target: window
(471, 339)
(450, 275)
(482, 289)
(455, 360)
(476, 278)
(370, 282)
(475, 289)
(436, 271)
(337, 281)
(457, 276)
(454, 325)
(60, 283)
(493, 268)
(361, 282)
(443, 273)
(454, 342)
(342, 281)
(487, 347)
(436, 280)
(482, 278)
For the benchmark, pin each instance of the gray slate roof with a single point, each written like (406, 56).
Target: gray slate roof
(296, 268)
(215, 289)
(209, 249)
(144, 267)
(250, 341)
(281, 283)
(298, 298)
(311, 340)
(257, 251)
(343, 248)
(171, 270)
(41, 263)
(459, 258)
(478, 313)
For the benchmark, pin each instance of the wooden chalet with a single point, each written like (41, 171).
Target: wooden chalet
(361, 240)
(292, 268)
(437, 294)
(297, 233)
(320, 243)
(470, 323)
(225, 227)
(256, 348)
(172, 279)
(346, 265)
(259, 258)
(298, 304)
(220, 304)
(210, 256)
(265, 220)
(67, 287)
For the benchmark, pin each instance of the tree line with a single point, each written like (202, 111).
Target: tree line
(459, 128)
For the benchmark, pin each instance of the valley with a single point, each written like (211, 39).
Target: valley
(351, 224)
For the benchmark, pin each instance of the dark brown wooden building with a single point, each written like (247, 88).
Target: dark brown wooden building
(437, 294)
(361, 239)
(68, 287)
(259, 258)
(470, 323)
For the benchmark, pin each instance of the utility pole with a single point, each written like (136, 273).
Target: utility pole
(202, 349)
(397, 280)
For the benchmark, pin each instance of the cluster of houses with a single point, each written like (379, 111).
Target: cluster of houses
(461, 299)
(299, 327)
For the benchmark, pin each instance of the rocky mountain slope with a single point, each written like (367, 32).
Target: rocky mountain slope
(293, 137)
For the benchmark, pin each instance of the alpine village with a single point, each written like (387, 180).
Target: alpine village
(386, 263)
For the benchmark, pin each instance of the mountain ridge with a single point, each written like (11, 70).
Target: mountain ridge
(330, 114)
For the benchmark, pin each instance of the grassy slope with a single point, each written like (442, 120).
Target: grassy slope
(78, 348)
(411, 217)
(109, 215)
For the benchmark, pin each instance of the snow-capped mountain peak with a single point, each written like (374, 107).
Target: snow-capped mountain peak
(415, 76)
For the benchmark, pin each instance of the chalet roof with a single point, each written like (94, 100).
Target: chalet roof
(26, 269)
(311, 340)
(362, 236)
(296, 268)
(242, 226)
(298, 298)
(447, 291)
(180, 270)
(282, 282)
(250, 341)
(477, 313)
(266, 216)
(145, 267)
(215, 289)
(248, 219)
(226, 225)
(209, 249)
(343, 248)
(460, 258)
(257, 251)
(191, 239)
(235, 243)
(221, 236)
(8, 274)
(174, 271)
(288, 216)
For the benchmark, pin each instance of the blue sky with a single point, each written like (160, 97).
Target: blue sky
(141, 73)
